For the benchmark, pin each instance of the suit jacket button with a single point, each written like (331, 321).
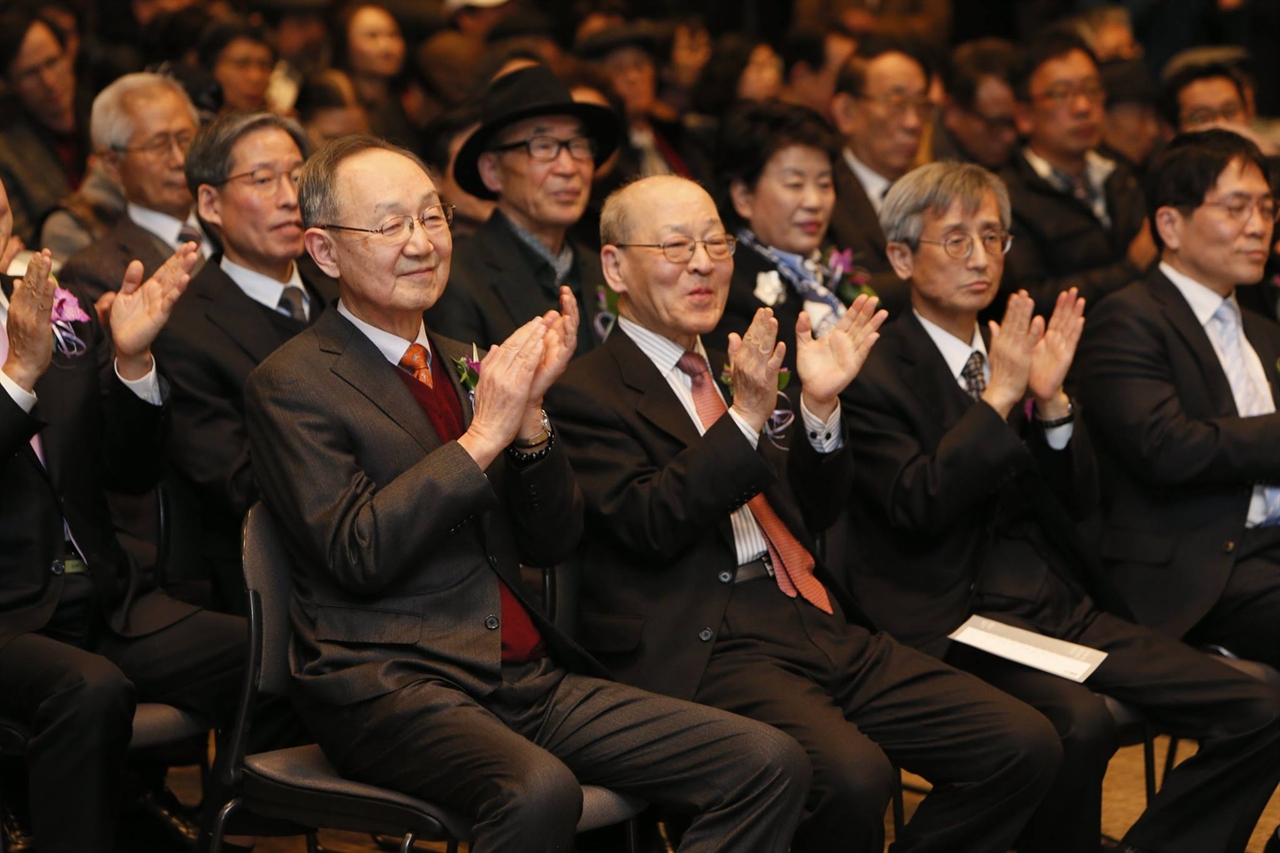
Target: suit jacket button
(493, 561)
(705, 635)
(725, 577)
(56, 567)
(1228, 546)
(491, 622)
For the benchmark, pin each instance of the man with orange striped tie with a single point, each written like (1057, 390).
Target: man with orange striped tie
(700, 577)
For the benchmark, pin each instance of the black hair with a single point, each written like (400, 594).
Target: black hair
(1184, 77)
(718, 82)
(853, 76)
(1050, 44)
(442, 130)
(217, 37)
(973, 60)
(15, 23)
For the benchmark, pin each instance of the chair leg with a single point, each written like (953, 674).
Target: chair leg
(406, 846)
(313, 843)
(1149, 761)
(452, 846)
(1171, 757)
(220, 824)
(899, 809)
(633, 836)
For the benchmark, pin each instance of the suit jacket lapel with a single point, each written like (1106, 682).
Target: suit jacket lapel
(451, 350)
(232, 311)
(511, 277)
(658, 403)
(1256, 331)
(360, 364)
(1184, 322)
(928, 373)
(853, 206)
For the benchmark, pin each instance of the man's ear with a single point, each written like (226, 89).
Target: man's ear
(844, 113)
(1169, 223)
(110, 161)
(611, 263)
(320, 246)
(209, 204)
(742, 198)
(1023, 119)
(902, 259)
(490, 173)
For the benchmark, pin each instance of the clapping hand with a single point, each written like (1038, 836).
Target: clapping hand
(754, 360)
(827, 365)
(28, 326)
(503, 392)
(139, 310)
(1051, 358)
(561, 339)
(1012, 341)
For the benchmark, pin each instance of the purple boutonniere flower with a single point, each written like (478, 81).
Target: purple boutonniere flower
(468, 370)
(67, 307)
(67, 310)
(840, 262)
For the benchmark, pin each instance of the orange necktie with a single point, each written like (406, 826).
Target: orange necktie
(793, 564)
(415, 361)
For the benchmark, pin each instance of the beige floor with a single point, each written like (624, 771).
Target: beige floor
(1124, 801)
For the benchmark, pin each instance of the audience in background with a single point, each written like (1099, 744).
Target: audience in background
(1131, 128)
(371, 49)
(811, 63)
(240, 59)
(978, 123)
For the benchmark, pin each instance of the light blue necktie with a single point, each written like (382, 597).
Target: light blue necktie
(1224, 325)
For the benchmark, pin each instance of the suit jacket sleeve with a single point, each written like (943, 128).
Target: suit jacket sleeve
(1133, 401)
(656, 512)
(546, 507)
(211, 444)
(820, 482)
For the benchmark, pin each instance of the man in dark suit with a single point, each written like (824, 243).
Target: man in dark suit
(965, 501)
(881, 107)
(83, 636)
(412, 485)
(1077, 216)
(535, 153)
(141, 126)
(699, 580)
(1180, 393)
(243, 305)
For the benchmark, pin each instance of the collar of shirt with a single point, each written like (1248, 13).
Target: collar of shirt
(955, 351)
(873, 183)
(663, 352)
(166, 227)
(392, 347)
(1096, 169)
(263, 289)
(1203, 301)
(561, 263)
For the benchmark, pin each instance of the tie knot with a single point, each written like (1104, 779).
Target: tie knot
(415, 358)
(694, 365)
(1228, 315)
(190, 234)
(293, 301)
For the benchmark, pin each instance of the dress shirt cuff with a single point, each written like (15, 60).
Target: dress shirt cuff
(24, 398)
(147, 388)
(752, 435)
(1059, 437)
(824, 436)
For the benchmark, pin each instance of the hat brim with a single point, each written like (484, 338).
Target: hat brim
(599, 123)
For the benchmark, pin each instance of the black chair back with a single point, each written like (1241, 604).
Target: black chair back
(267, 567)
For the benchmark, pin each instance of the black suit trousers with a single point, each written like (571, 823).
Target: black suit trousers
(75, 685)
(860, 703)
(1210, 801)
(514, 761)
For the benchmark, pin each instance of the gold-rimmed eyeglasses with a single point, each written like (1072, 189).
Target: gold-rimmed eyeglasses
(680, 250)
(399, 229)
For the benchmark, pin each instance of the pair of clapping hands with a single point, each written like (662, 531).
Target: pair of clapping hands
(825, 365)
(135, 314)
(1029, 355)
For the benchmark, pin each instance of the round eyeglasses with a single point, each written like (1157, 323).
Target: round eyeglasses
(399, 229)
(680, 250)
(960, 246)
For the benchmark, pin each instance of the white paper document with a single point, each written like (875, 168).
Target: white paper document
(1056, 657)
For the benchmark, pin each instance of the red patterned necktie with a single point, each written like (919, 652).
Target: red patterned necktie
(793, 564)
(415, 361)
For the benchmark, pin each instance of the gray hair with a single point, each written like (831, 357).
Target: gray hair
(316, 197)
(209, 157)
(110, 126)
(935, 187)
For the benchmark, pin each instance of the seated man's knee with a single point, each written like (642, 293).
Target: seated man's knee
(858, 782)
(96, 691)
(541, 796)
(1029, 747)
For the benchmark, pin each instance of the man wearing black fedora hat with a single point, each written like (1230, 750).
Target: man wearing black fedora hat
(534, 153)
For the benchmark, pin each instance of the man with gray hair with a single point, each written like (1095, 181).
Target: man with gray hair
(141, 126)
(970, 473)
(242, 170)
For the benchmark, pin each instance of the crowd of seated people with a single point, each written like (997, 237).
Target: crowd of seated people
(825, 350)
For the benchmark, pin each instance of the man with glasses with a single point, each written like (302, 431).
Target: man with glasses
(1077, 216)
(1180, 391)
(43, 144)
(534, 153)
(142, 125)
(700, 574)
(881, 107)
(970, 471)
(413, 486)
(977, 121)
(258, 293)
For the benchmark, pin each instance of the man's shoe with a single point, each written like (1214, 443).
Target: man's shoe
(175, 818)
(16, 837)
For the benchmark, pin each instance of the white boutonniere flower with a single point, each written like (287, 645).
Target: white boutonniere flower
(769, 288)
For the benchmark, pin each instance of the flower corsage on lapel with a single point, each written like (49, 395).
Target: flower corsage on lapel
(607, 315)
(468, 368)
(67, 310)
(776, 426)
(769, 288)
(845, 279)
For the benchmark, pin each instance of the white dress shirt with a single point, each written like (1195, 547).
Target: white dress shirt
(956, 353)
(825, 436)
(1204, 302)
(392, 347)
(166, 227)
(264, 289)
(874, 184)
